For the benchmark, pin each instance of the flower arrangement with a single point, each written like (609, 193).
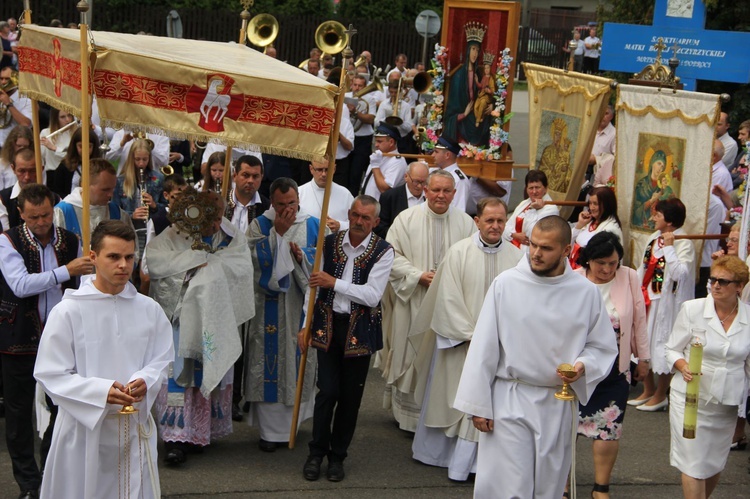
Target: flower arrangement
(434, 113)
(498, 136)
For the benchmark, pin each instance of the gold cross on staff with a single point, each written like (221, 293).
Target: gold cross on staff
(659, 48)
(247, 4)
(675, 48)
(350, 33)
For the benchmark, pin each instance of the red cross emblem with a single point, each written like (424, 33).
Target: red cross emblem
(215, 102)
(57, 59)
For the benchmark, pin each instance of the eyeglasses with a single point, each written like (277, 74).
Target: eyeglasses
(733, 240)
(416, 182)
(320, 170)
(721, 282)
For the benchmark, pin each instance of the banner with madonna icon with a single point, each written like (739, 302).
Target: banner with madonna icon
(565, 109)
(473, 70)
(664, 150)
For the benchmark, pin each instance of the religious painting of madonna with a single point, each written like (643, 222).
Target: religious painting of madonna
(475, 33)
(658, 176)
(556, 148)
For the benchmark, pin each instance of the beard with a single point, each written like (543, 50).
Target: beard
(544, 270)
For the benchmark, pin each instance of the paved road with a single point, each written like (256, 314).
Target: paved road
(380, 463)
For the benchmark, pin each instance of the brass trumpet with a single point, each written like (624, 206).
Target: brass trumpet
(167, 170)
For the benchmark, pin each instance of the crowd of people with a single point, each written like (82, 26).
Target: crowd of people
(423, 268)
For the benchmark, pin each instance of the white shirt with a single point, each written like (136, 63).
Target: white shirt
(366, 129)
(404, 112)
(716, 214)
(412, 200)
(119, 154)
(22, 105)
(720, 176)
(311, 200)
(730, 149)
(367, 294)
(4, 220)
(46, 284)
(393, 169)
(461, 198)
(346, 129)
(604, 141)
(239, 217)
(587, 52)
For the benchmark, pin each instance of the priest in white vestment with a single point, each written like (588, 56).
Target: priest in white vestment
(104, 346)
(283, 242)
(535, 317)
(421, 237)
(441, 336)
(207, 295)
(312, 193)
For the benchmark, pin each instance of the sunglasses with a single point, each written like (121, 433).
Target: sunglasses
(721, 282)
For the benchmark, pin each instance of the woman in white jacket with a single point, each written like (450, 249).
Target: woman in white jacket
(725, 370)
(667, 276)
(529, 211)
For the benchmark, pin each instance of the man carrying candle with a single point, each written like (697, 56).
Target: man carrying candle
(725, 322)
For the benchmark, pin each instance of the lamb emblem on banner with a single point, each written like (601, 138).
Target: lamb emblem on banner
(215, 103)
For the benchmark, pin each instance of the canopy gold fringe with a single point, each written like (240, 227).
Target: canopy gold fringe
(703, 118)
(47, 99)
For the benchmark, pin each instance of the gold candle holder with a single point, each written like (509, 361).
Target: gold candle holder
(569, 372)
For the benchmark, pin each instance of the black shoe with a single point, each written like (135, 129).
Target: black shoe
(311, 470)
(267, 446)
(29, 494)
(236, 413)
(175, 457)
(335, 471)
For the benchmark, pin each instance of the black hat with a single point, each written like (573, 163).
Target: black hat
(387, 130)
(444, 143)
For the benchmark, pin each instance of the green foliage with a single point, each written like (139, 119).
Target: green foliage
(396, 10)
(625, 11)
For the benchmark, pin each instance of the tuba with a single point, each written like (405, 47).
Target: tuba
(263, 30)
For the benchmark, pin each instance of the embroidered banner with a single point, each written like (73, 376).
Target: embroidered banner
(664, 147)
(211, 91)
(564, 110)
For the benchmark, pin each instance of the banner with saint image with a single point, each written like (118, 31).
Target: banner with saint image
(664, 147)
(565, 109)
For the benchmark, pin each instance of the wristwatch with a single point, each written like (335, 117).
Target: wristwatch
(647, 361)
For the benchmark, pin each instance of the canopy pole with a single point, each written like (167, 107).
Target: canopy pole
(83, 8)
(346, 54)
(34, 109)
(245, 15)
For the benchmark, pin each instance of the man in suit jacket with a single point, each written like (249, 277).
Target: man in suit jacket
(397, 199)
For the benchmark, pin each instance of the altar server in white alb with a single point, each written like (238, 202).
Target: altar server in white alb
(441, 336)
(535, 317)
(104, 346)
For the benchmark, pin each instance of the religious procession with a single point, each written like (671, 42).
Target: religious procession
(210, 239)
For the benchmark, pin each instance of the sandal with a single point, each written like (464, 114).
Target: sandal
(740, 444)
(600, 488)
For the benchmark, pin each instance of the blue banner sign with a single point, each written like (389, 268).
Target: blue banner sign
(703, 55)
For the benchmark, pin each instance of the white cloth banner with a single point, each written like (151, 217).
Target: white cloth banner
(664, 149)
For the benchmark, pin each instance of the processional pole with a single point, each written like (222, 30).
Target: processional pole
(34, 108)
(245, 16)
(83, 8)
(346, 55)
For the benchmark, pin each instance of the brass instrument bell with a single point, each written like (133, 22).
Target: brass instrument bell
(262, 30)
